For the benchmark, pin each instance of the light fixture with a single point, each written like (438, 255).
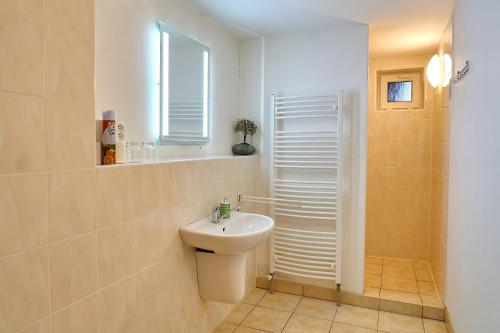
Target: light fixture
(439, 70)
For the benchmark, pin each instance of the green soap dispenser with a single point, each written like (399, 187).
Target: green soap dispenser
(225, 208)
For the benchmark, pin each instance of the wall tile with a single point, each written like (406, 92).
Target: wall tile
(72, 203)
(69, 72)
(22, 56)
(75, 17)
(42, 326)
(32, 8)
(81, 317)
(73, 269)
(22, 124)
(118, 308)
(118, 248)
(24, 289)
(23, 212)
(70, 135)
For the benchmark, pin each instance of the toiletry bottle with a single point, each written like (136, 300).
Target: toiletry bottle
(108, 150)
(225, 208)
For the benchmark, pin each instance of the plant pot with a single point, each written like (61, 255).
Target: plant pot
(243, 149)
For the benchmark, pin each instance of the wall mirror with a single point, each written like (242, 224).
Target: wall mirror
(184, 88)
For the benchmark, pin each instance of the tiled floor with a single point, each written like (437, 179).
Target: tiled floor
(261, 311)
(400, 280)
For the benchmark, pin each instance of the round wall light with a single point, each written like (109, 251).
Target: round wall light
(439, 70)
(447, 70)
(434, 72)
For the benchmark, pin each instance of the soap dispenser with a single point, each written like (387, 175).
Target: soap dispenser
(225, 208)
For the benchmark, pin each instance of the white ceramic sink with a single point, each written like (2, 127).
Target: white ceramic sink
(240, 233)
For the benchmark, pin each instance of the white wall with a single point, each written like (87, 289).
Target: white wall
(473, 272)
(127, 62)
(325, 62)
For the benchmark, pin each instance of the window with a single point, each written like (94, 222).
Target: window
(399, 91)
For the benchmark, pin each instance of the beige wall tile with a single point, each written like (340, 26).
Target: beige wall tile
(32, 8)
(69, 70)
(72, 203)
(70, 135)
(24, 289)
(117, 253)
(328, 294)
(356, 299)
(23, 212)
(81, 317)
(118, 308)
(22, 124)
(73, 269)
(42, 326)
(288, 287)
(116, 195)
(75, 17)
(22, 56)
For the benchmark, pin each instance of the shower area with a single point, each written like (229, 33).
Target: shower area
(407, 174)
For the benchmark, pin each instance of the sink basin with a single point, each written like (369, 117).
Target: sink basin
(240, 233)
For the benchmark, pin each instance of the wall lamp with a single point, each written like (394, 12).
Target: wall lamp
(439, 70)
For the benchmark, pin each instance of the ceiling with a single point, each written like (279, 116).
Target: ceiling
(397, 27)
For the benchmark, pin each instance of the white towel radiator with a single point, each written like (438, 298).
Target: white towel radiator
(306, 186)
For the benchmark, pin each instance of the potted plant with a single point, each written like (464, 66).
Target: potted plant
(247, 127)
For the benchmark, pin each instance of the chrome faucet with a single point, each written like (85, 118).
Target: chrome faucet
(216, 217)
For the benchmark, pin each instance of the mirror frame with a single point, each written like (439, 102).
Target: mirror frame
(185, 140)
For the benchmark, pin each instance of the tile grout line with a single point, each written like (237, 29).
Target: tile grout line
(293, 312)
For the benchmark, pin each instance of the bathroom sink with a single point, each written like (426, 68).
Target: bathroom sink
(240, 233)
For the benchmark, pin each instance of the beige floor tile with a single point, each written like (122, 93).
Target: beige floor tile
(400, 272)
(423, 275)
(239, 313)
(280, 301)
(267, 319)
(225, 328)
(427, 288)
(373, 260)
(316, 308)
(373, 281)
(404, 285)
(421, 265)
(396, 323)
(254, 296)
(243, 329)
(357, 316)
(400, 296)
(305, 324)
(434, 326)
(397, 262)
(345, 328)
(372, 292)
(374, 269)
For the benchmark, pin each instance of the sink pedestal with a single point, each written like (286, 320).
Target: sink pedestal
(221, 278)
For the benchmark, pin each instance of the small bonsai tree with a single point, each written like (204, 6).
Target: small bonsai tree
(245, 126)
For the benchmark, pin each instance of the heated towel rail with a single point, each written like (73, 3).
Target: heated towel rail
(306, 186)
